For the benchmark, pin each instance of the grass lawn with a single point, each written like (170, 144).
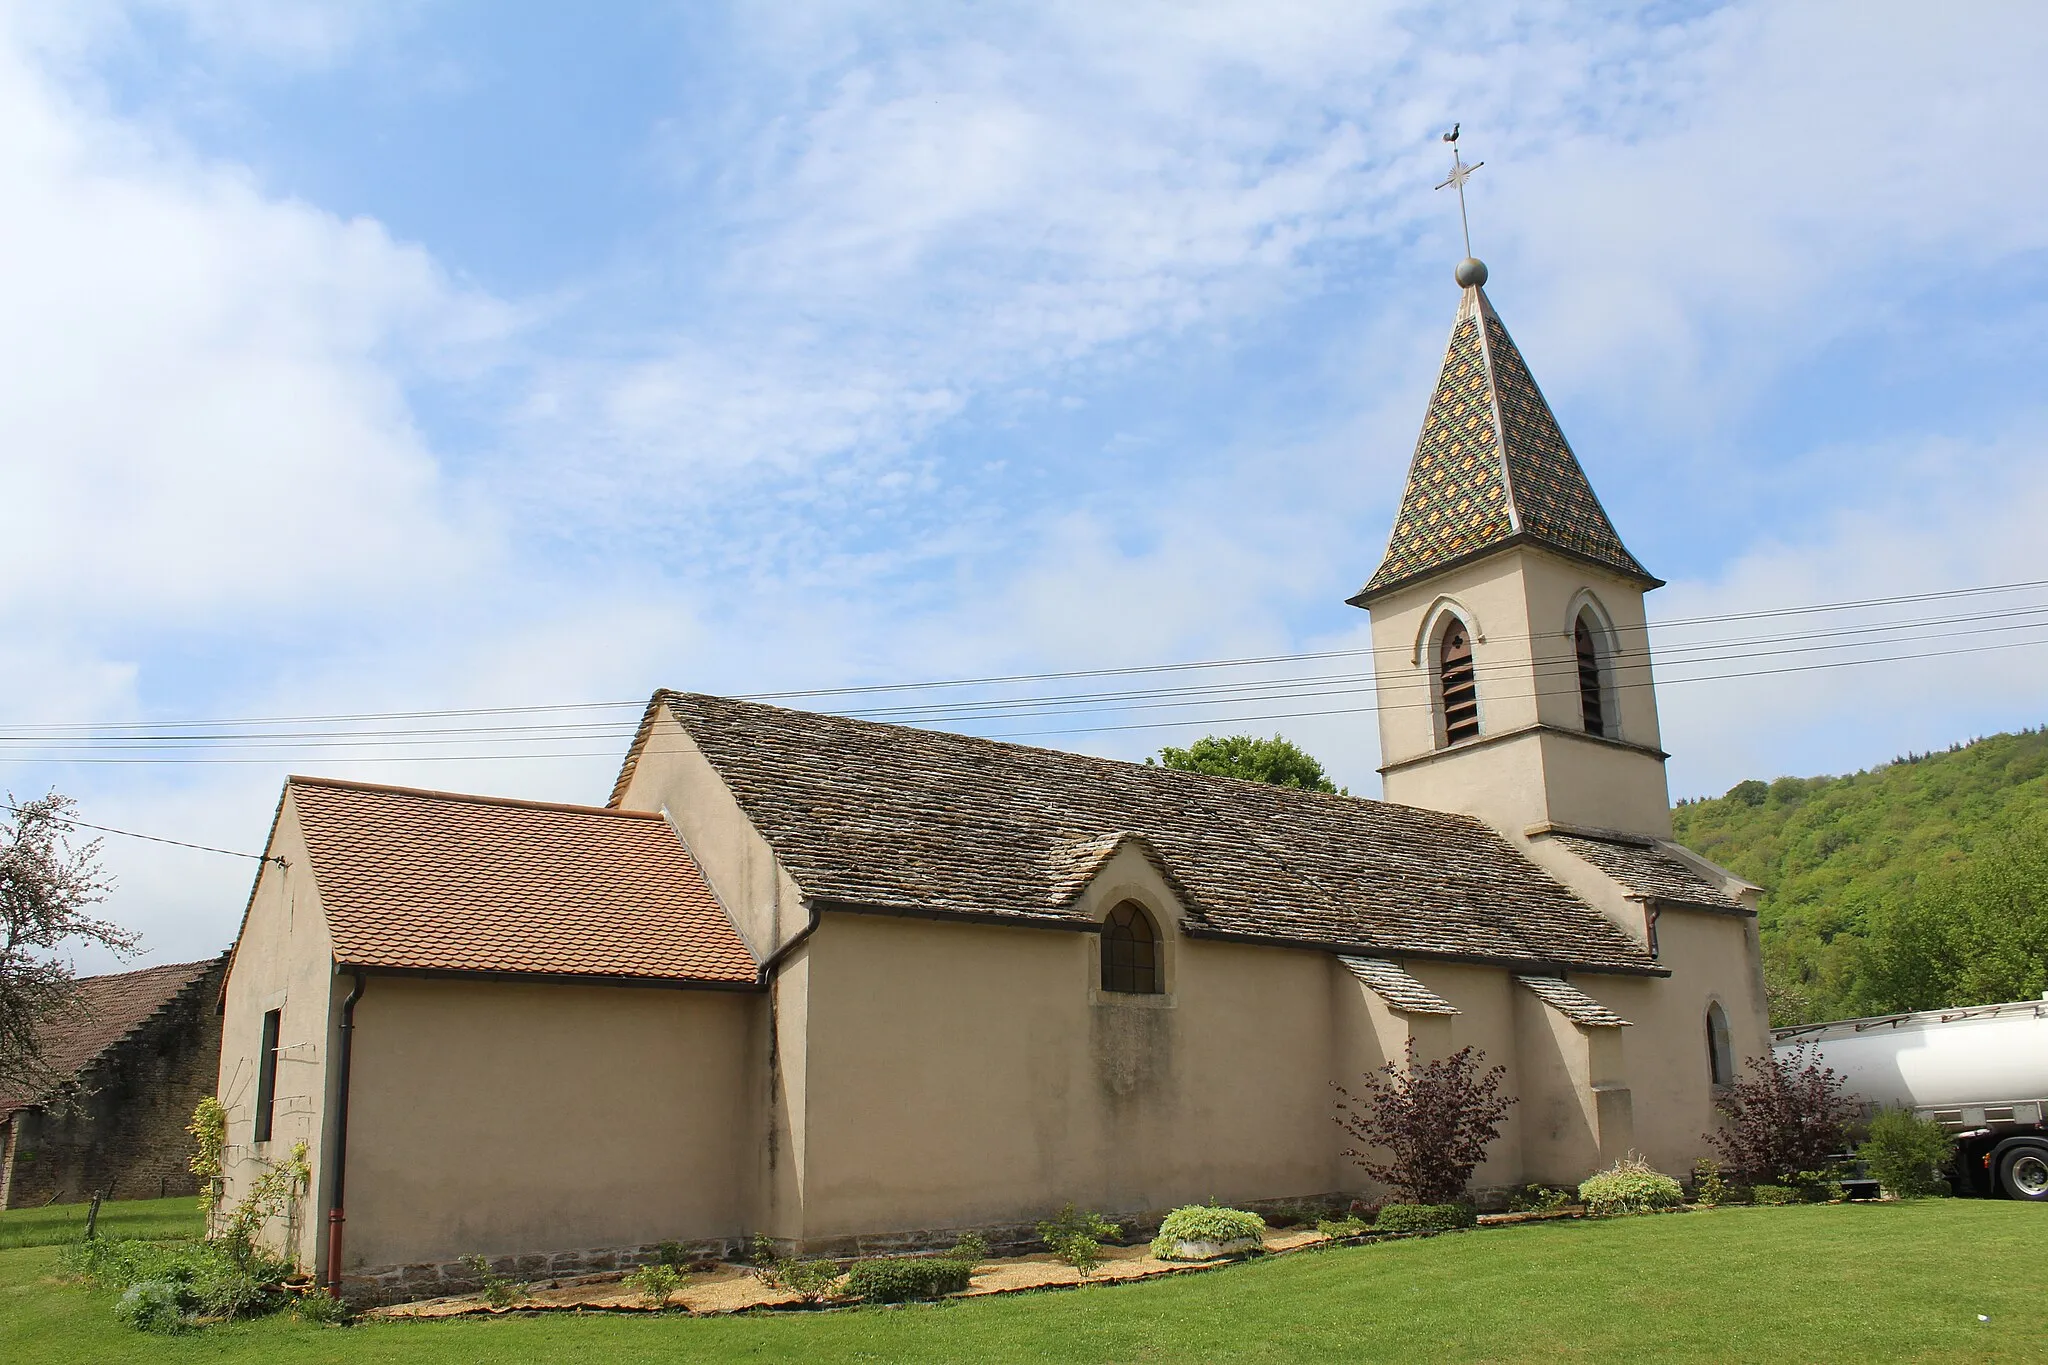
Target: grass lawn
(1823, 1283)
(61, 1223)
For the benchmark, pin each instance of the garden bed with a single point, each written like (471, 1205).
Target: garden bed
(739, 1289)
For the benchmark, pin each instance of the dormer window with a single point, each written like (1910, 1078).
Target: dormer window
(1586, 648)
(1130, 952)
(1458, 684)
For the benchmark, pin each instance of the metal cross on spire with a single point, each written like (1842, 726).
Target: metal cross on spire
(1460, 173)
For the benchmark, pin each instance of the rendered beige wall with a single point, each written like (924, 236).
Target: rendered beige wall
(1713, 957)
(501, 1119)
(283, 961)
(673, 776)
(1521, 606)
(964, 1074)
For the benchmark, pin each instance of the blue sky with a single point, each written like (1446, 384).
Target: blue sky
(367, 357)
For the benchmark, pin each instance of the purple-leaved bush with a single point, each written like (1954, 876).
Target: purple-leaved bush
(1433, 1119)
(1785, 1120)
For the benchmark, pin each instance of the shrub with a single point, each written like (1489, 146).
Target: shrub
(971, 1248)
(1436, 1119)
(1342, 1227)
(899, 1279)
(320, 1307)
(1537, 1198)
(211, 1280)
(811, 1281)
(1773, 1194)
(1205, 1223)
(654, 1283)
(1907, 1154)
(1630, 1185)
(1817, 1187)
(1707, 1185)
(498, 1291)
(1789, 1116)
(1424, 1218)
(1076, 1237)
(671, 1254)
(153, 1306)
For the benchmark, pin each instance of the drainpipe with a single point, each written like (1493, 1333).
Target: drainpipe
(334, 1214)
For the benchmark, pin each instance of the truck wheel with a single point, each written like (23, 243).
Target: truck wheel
(2023, 1172)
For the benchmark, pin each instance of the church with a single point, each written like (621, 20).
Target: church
(858, 987)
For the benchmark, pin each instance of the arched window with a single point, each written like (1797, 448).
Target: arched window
(1460, 688)
(1588, 651)
(1130, 952)
(1720, 1056)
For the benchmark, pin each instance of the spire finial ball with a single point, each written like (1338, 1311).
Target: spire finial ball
(1471, 273)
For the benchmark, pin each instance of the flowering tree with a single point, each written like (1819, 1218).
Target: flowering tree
(1785, 1120)
(45, 886)
(1435, 1121)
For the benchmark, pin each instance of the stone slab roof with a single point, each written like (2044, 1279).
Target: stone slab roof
(889, 817)
(1573, 1003)
(1401, 991)
(1650, 872)
(434, 881)
(105, 1010)
(1492, 468)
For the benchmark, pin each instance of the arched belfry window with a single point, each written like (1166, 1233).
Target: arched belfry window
(1586, 646)
(1457, 684)
(1130, 952)
(1720, 1054)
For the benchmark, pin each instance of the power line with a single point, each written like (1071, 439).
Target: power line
(70, 823)
(1093, 729)
(1071, 703)
(1006, 679)
(1220, 692)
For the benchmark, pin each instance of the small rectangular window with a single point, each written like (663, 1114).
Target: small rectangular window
(266, 1075)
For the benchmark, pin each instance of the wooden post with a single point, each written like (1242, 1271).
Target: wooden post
(92, 1217)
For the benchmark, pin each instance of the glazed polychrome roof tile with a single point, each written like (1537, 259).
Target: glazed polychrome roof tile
(890, 817)
(1492, 467)
(433, 881)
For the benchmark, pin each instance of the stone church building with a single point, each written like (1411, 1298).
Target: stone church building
(854, 986)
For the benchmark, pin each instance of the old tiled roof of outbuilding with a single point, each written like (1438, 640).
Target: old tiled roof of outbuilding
(433, 881)
(103, 1011)
(1492, 468)
(1650, 871)
(888, 817)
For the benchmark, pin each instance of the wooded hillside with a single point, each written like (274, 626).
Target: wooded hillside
(1920, 884)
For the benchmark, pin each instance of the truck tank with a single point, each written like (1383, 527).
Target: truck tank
(1981, 1072)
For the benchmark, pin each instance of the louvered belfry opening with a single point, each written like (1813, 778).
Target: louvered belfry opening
(1460, 686)
(1589, 679)
(1130, 952)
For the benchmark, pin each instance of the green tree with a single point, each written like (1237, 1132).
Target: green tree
(1276, 760)
(1914, 884)
(1975, 934)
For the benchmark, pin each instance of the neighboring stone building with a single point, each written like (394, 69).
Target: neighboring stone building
(140, 1050)
(852, 985)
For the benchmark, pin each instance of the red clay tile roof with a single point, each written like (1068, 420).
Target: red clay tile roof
(433, 881)
(108, 1009)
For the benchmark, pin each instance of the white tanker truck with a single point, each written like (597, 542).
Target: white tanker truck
(1982, 1073)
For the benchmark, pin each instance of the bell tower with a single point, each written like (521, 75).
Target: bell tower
(1511, 653)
